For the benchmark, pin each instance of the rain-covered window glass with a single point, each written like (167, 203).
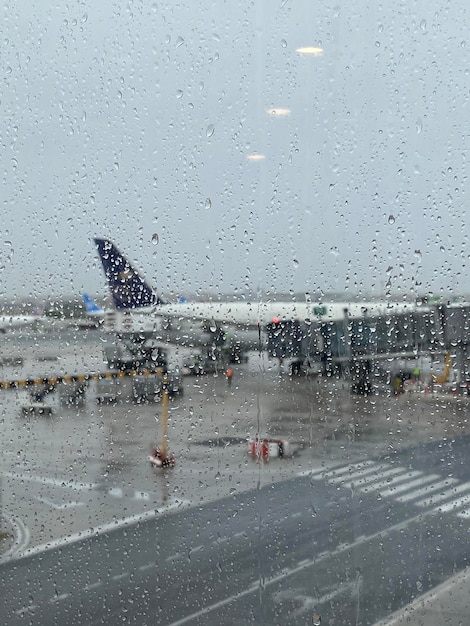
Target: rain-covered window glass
(234, 326)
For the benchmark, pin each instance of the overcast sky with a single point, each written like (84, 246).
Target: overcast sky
(134, 121)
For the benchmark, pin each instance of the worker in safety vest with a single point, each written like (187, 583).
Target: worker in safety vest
(229, 375)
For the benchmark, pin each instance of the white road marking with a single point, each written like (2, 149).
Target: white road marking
(390, 481)
(22, 537)
(59, 507)
(344, 547)
(453, 505)
(408, 486)
(379, 484)
(362, 466)
(143, 568)
(26, 609)
(63, 596)
(56, 482)
(141, 495)
(104, 528)
(92, 586)
(445, 495)
(427, 490)
(369, 478)
(317, 471)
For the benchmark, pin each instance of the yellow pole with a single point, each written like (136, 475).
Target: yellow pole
(164, 418)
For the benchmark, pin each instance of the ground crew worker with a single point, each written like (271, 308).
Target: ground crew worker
(397, 384)
(229, 375)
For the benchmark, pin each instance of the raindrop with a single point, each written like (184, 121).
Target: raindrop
(208, 203)
(155, 239)
(179, 42)
(423, 25)
(419, 125)
(179, 93)
(283, 43)
(116, 166)
(210, 130)
(418, 254)
(295, 262)
(391, 219)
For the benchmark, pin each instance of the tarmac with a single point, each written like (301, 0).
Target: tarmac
(323, 425)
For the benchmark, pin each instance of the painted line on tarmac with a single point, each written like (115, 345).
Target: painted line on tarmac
(56, 482)
(21, 534)
(305, 564)
(102, 529)
(59, 507)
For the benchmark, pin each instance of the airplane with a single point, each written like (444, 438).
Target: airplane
(92, 309)
(8, 322)
(95, 315)
(138, 308)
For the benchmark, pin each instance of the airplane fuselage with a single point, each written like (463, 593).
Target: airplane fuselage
(264, 313)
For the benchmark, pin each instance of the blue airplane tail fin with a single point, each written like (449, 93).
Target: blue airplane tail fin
(128, 289)
(91, 307)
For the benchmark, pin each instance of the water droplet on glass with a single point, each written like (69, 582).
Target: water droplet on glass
(210, 130)
(391, 219)
(155, 239)
(208, 203)
(418, 254)
(179, 93)
(179, 42)
(283, 43)
(419, 125)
